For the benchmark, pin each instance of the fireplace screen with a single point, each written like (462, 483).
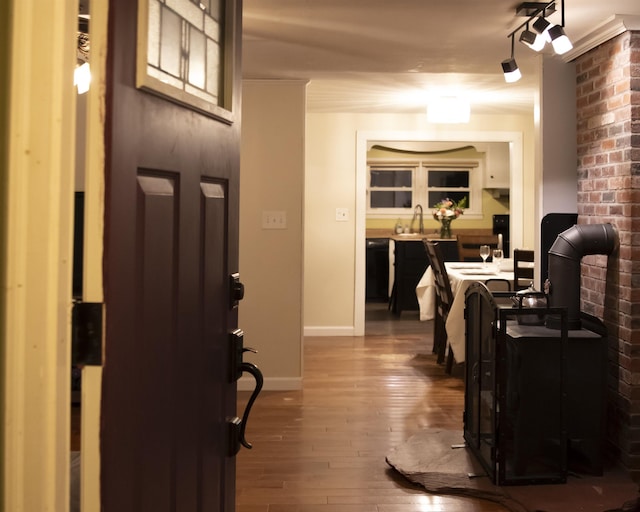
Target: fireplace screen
(515, 409)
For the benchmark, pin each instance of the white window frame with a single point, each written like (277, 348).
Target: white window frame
(420, 170)
(392, 166)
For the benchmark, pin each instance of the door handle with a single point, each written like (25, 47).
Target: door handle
(238, 426)
(257, 375)
(238, 367)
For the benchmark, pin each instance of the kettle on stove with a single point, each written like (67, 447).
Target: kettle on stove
(531, 298)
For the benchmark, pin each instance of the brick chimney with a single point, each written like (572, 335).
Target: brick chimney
(608, 117)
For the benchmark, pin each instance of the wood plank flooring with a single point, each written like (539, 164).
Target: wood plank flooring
(323, 449)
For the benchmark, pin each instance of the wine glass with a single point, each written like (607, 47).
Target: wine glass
(485, 251)
(497, 258)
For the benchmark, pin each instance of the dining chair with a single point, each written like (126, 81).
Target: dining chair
(522, 268)
(469, 246)
(497, 284)
(444, 299)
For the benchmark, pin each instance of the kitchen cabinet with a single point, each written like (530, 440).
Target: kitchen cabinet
(497, 167)
(410, 263)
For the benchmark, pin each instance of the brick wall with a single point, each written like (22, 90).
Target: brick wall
(608, 116)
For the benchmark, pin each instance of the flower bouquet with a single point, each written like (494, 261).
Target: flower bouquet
(446, 211)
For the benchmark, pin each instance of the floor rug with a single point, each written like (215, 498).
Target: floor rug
(438, 461)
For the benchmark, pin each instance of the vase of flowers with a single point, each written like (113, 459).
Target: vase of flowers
(446, 211)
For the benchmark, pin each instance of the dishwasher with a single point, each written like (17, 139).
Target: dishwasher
(377, 281)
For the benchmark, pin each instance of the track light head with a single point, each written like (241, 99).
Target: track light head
(527, 37)
(540, 25)
(559, 40)
(532, 40)
(511, 71)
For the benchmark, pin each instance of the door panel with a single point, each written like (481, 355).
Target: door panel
(213, 204)
(171, 242)
(155, 336)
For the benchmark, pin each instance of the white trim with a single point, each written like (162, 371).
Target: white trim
(247, 383)
(363, 141)
(610, 28)
(345, 330)
(38, 189)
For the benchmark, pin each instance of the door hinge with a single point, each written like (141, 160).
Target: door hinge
(86, 333)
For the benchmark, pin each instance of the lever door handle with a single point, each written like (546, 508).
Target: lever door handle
(238, 426)
(238, 367)
(257, 375)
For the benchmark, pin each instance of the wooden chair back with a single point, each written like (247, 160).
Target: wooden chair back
(522, 268)
(440, 276)
(469, 246)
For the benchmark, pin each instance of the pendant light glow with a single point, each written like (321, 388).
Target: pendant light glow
(82, 78)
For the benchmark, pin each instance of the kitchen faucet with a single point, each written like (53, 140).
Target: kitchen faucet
(415, 213)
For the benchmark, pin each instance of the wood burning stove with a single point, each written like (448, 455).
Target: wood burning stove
(534, 396)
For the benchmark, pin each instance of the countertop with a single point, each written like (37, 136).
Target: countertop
(409, 237)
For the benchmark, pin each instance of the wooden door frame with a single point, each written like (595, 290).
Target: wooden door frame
(92, 283)
(38, 151)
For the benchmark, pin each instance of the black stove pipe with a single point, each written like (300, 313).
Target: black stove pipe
(563, 285)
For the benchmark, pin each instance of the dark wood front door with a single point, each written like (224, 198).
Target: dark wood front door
(171, 239)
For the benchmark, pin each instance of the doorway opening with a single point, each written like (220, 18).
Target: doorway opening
(367, 139)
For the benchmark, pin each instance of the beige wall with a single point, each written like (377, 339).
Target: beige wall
(330, 246)
(271, 260)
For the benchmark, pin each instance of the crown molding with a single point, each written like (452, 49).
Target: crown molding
(610, 28)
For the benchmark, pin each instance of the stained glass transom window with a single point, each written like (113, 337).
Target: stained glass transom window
(184, 46)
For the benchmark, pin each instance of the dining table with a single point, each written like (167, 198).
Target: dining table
(461, 275)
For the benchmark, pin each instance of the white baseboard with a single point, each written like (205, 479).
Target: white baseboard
(346, 330)
(248, 383)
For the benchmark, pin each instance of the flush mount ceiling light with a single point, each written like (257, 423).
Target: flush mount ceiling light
(448, 110)
(536, 13)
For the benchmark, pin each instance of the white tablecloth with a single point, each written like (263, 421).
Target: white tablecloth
(461, 275)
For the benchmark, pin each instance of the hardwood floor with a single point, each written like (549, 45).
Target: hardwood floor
(322, 449)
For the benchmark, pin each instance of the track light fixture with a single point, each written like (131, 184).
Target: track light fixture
(509, 67)
(543, 31)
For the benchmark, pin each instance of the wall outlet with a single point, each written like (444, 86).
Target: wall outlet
(342, 214)
(274, 220)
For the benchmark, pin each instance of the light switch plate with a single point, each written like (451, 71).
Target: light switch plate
(342, 214)
(274, 220)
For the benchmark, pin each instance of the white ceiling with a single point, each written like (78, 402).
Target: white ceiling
(371, 55)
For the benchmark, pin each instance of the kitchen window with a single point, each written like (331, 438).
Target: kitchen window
(395, 189)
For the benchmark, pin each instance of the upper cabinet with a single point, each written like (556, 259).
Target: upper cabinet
(497, 167)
